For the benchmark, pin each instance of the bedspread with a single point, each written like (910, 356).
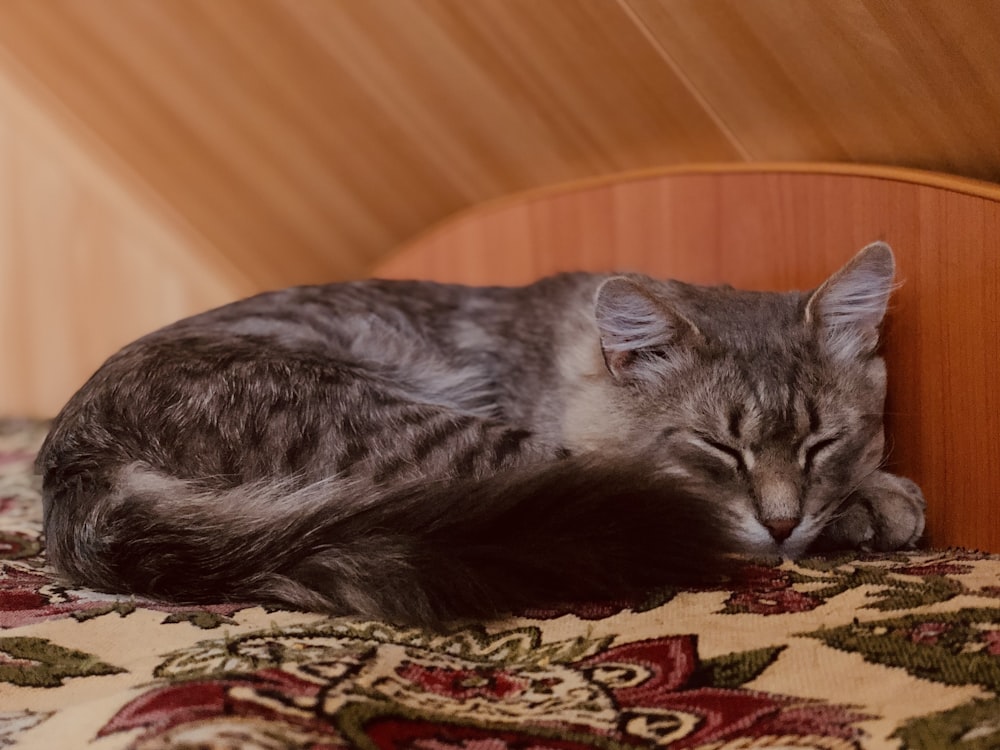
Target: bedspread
(860, 651)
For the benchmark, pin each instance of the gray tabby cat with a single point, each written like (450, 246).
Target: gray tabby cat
(416, 452)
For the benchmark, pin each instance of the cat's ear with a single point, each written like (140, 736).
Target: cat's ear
(847, 310)
(642, 336)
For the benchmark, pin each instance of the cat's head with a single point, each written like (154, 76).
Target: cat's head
(772, 400)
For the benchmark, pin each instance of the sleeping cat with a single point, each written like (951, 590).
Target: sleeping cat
(417, 452)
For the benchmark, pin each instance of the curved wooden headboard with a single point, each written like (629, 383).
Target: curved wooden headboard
(787, 227)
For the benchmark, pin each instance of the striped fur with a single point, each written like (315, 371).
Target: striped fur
(420, 452)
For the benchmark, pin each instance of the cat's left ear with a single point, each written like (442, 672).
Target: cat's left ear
(642, 336)
(849, 307)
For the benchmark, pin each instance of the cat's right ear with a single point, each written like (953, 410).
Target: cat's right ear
(848, 308)
(642, 337)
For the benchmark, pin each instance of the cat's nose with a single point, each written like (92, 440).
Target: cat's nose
(781, 528)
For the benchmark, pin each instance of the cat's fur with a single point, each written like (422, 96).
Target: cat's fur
(417, 451)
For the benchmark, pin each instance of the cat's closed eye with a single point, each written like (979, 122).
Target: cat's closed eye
(811, 452)
(734, 457)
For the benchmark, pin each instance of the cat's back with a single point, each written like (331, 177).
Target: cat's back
(330, 314)
(295, 356)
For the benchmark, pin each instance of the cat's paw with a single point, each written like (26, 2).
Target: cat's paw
(886, 513)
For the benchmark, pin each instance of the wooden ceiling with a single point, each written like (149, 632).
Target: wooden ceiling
(299, 140)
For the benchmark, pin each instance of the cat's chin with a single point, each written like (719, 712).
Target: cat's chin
(793, 552)
(753, 539)
(757, 546)
(774, 556)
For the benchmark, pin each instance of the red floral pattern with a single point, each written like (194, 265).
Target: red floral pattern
(605, 674)
(636, 693)
(29, 596)
(464, 684)
(929, 632)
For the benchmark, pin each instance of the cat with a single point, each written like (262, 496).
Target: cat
(419, 452)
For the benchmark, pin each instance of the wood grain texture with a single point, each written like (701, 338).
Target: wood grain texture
(912, 83)
(85, 267)
(302, 140)
(784, 230)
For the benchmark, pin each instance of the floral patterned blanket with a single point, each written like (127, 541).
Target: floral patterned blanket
(848, 652)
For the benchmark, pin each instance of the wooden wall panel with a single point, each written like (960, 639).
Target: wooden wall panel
(287, 141)
(913, 84)
(306, 138)
(787, 230)
(84, 266)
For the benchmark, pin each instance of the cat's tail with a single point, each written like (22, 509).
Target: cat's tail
(577, 529)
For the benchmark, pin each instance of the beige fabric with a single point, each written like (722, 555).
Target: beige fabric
(871, 652)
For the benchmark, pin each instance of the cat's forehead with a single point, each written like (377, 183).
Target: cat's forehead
(766, 385)
(736, 316)
(764, 361)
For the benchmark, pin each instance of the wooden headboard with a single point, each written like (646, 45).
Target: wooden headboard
(787, 227)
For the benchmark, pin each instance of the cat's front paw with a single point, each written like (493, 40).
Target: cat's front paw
(885, 513)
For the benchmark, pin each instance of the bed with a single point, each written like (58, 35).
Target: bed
(843, 651)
